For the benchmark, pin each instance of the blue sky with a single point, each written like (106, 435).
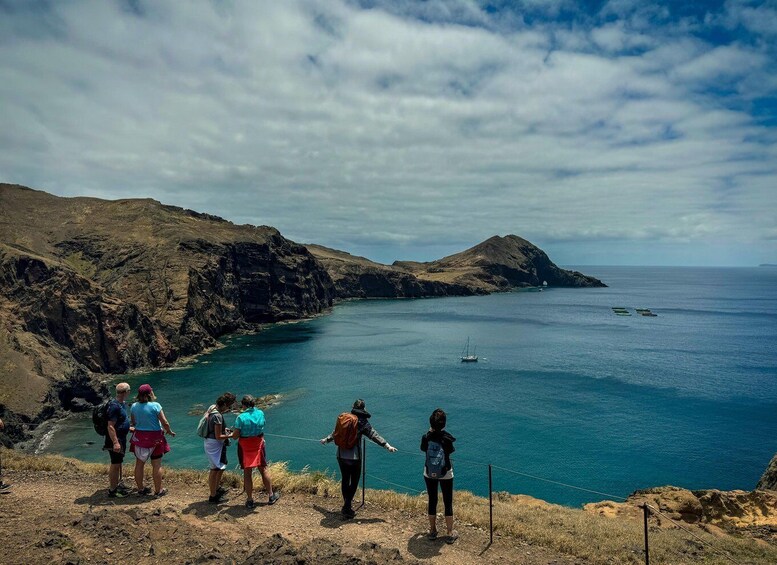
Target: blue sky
(607, 132)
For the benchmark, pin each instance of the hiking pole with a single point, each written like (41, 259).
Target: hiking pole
(364, 467)
(490, 505)
(646, 510)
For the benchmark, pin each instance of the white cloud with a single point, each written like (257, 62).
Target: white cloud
(363, 128)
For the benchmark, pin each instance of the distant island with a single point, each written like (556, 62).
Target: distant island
(768, 265)
(91, 287)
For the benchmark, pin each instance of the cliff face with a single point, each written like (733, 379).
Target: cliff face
(735, 508)
(769, 478)
(357, 277)
(89, 286)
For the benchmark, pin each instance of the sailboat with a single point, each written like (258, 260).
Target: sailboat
(466, 357)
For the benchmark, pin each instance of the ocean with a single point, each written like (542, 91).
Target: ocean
(565, 394)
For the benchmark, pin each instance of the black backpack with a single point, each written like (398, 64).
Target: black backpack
(100, 417)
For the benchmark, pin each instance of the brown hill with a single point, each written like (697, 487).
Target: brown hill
(499, 264)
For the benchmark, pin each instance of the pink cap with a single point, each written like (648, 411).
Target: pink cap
(145, 389)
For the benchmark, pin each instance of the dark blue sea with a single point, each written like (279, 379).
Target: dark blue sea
(564, 390)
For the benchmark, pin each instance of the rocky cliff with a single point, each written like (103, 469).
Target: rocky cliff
(499, 264)
(769, 478)
(90, 286)
(734, 509)
(357, 277)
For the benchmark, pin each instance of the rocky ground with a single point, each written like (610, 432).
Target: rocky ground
(65, 517)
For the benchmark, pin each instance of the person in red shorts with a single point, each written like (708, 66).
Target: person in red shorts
(249, 431)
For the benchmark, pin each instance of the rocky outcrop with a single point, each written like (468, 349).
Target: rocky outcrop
(737, 508)
(769, 478)
(499, 264)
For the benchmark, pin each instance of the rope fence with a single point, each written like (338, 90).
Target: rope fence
(647, 508)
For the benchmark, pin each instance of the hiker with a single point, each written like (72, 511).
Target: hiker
(215, 443)
(249, 431)
(3, 486)
(438, 446)
(349, 429)
(148, 440)
(116, 439)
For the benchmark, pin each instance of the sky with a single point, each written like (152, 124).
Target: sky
(606, 132)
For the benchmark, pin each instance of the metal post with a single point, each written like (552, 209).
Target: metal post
(647, 551)
(490, 505)
(364, 467)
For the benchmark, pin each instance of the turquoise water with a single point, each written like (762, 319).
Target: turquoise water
(564, 390)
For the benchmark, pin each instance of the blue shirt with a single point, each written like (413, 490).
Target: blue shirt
(250, 423)
(146, 416)
(117, 413)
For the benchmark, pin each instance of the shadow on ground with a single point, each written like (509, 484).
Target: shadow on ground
(334, 519)
(423, 548)
(100, 498)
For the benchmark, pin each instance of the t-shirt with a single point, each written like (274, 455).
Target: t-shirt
(146, 416)
(117, 413)
(250, 423)
(214, 419)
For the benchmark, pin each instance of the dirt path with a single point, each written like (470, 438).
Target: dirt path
(66, 517)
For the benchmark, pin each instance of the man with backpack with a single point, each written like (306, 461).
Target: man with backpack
(117, 426)
(349, 429)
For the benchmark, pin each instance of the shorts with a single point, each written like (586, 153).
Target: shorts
(251, 452)
(146, 453)
(216, 451)
(149, 444)
(116, 458)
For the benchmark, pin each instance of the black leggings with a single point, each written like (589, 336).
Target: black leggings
(351, 470)
(446, 485)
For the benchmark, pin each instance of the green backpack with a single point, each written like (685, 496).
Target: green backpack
(202, 426)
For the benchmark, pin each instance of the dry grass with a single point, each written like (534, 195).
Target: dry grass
(597, 539)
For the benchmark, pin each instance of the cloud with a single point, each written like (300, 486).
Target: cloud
(395, 127)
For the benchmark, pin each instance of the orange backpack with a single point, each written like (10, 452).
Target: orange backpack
(346, 430)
